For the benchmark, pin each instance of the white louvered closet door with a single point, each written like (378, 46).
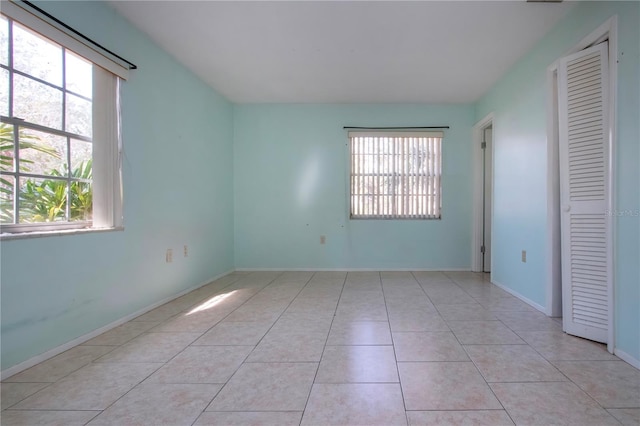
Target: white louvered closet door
(584, 193)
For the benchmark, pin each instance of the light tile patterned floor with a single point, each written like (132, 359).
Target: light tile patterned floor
(363, 348)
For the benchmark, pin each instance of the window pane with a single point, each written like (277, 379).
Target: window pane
(42, 200)
(36, 56)
(4, 92)
(6, 198)
(4, 41)
(81, 201)
(7, 153)
(79, 78)
(79, 116)
(37, 103)
(81, 154)
(43, 153)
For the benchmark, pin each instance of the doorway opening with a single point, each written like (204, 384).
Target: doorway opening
(483, 195)
(486, 147)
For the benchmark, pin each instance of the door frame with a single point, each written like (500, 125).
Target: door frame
(477, 183)
(606, 31)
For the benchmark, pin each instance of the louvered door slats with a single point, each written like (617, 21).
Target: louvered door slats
(584, 168)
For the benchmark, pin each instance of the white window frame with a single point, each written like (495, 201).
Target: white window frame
(424, 203)
(106, 140)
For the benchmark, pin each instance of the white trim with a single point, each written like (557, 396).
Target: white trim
(33, 19)
(352, 270)
(521, 297)
(598, 35)
(61, 233)
(476, 179)
(627, 358)
(612, 25)
(86, 337)
(608, 30)
(553, 269)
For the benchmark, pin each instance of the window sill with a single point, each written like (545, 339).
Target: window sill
(57, 233)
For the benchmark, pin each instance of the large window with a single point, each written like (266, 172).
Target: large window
(59, 144)
(395, 175)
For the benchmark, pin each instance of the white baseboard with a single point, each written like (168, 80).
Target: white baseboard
(521, 297)
(79, 340)
(353, 269)
(617, 352)
(627, 358)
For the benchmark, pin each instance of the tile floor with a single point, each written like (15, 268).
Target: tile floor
(363, 348)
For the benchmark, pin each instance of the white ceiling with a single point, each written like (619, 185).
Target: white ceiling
(346, 51)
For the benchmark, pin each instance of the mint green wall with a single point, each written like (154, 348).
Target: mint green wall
(177, 134)
(519, 103)
(290, 164)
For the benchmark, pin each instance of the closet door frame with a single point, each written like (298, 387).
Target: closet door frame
(608, 31)
(584, 149)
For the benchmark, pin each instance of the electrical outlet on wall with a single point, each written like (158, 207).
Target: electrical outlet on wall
(323, 239)
(169, 256)
(186, 250)
(524, 256)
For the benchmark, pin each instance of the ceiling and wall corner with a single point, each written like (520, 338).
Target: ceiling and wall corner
(346, 52)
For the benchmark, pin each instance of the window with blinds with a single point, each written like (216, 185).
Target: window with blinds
(395, 175)
(59, 130)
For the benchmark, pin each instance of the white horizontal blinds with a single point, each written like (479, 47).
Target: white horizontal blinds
(23, 13)
(584, 161)
(395, 175)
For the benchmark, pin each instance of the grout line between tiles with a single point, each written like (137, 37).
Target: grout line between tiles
(324, 347)
(395, 355)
